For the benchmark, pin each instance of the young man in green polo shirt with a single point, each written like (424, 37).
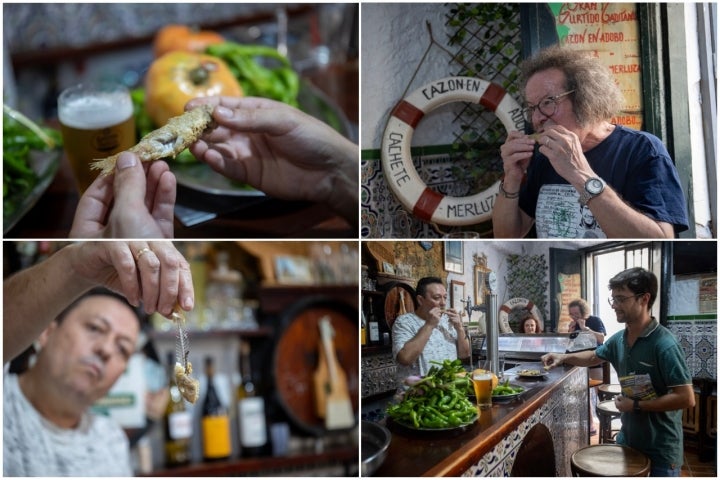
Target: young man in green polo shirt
(649, 362)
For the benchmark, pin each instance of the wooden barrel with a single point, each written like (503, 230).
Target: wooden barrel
(399, 299)
(296, 357)
(609, 461)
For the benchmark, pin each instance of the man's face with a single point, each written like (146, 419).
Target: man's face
(435, 296)
(627, 305)
(574, 313)
(549, 83)
(89, 350)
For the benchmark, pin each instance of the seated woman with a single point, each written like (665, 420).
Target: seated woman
(530, 324)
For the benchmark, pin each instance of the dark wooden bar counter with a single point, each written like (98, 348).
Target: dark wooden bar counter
(531, 436)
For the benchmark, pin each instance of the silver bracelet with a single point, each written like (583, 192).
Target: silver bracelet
(507, 194)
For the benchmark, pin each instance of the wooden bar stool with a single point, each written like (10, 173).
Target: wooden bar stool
(607, 391)
(607, 412)
(609, 461)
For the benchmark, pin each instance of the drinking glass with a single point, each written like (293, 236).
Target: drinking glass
(482, 382)
(96, 121)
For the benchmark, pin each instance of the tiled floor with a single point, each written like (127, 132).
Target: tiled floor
(692, 467)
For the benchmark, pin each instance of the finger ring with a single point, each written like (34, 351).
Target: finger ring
(142, 252)
(547, 142)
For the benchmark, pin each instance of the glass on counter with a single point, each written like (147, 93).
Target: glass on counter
(96, 121)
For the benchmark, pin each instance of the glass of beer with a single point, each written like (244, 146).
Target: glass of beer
(96, 121)
(482, 382)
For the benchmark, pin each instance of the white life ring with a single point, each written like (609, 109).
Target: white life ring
(512, 304)
(399, 170)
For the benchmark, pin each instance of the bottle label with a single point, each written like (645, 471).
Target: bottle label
(251, 418)
(374, 332)
(180, 425)
(216, 437)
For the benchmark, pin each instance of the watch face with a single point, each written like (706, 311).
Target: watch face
(594, 186)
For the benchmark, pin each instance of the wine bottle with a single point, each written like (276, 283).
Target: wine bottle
(251, 409)
(374, 327)
(363, 330)
(215, 420)
(177, 423)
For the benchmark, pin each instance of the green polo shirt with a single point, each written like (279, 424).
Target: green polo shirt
(657, 353)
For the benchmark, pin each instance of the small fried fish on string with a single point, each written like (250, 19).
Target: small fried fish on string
(167, 141)
(189, 387)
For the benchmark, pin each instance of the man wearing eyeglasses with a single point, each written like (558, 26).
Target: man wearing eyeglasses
(650, 364)
(626, 177)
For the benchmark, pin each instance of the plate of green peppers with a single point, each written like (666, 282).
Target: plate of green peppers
(507, 391)
(31, 157)
(436, 402)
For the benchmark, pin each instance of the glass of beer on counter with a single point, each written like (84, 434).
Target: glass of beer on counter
(482, 381)
(96, 121)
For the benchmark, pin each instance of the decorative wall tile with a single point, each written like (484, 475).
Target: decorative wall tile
(698, 339)
(564, 415)
(378, 374)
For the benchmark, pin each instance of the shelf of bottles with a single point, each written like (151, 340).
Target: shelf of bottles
(234, 427)
(375, 335)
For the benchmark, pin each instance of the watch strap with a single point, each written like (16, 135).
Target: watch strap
(636, 406)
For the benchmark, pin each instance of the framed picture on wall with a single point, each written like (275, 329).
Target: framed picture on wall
(457, 294)
(453, 255)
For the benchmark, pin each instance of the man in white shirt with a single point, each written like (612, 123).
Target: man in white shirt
(432, 332)
(48, 428)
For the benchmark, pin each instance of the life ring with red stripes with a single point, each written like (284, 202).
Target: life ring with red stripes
(511, 305)
(399, 170)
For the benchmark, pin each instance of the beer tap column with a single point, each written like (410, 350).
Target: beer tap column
(492, 331)
(469, 308)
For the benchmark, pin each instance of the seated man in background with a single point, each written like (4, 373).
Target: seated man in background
(48, 429)
(432, 332)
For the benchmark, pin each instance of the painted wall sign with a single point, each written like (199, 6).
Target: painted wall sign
(610, 32)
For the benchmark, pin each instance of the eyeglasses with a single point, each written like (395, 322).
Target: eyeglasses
(547, 106)
(620, 299)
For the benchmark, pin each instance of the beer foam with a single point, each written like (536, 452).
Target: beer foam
(97, 111)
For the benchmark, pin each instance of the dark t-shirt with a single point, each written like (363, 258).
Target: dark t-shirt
(635, 164)
(593, 323)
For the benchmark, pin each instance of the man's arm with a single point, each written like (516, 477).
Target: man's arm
(508, 219)
(678, 398)
(414, 347)
(579, 359)
(34, 297)
(463, 345)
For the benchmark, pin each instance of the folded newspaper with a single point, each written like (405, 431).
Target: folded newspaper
(637, 387)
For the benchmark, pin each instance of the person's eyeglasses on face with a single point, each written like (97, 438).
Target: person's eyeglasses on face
(547, 106)
(619, 300)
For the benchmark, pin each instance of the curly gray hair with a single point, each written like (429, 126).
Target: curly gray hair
(597, 96)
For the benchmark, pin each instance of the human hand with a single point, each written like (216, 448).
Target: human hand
(152, 272)
(455, 320)
(136, 202)
(516, 153)
(623, 403)
(562, 147)
(580, 322)
(552, 360)
(435, 315)
(280, 150)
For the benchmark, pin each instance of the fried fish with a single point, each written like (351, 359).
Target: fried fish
(167, 141)
(189, 387)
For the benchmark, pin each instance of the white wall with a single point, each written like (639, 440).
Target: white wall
(394, 38)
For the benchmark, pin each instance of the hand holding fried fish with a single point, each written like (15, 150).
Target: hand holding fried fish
(167, 141)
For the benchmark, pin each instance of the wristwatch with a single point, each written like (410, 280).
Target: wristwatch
(636, 406)
(594, 186)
